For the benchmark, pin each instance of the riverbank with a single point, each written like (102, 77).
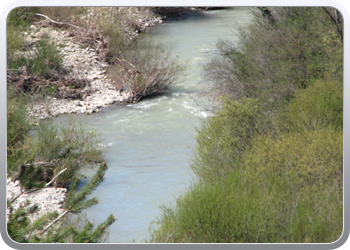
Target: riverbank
(86, 65)
(85, 87)
(78, 56)
(48, 199)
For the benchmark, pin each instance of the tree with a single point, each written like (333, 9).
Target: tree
(56, 153)
(44, 229)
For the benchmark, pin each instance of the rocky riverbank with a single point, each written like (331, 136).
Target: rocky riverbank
(86, 88)
(85, 64)
(48, 199)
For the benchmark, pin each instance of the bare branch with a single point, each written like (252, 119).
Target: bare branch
(55, 177)
(52, 223)
(336, 22)
(58, 23)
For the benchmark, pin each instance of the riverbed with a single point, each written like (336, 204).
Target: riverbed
(148, 145)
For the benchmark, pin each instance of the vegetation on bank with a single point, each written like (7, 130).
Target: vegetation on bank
(35, 66)
(51, 158)
(269, 164)
(55, 153)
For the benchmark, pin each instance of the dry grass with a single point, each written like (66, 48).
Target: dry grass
(146, 72)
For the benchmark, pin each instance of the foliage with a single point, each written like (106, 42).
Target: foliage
(223, 139)
(70, 145)
(18, 124)
(36, 161)
(270, 162)
(17, 21)
(286, 190)
(318, 106)
(146, 70)
(18, 127)
(47, 61)
(274, 59)
(63, 14)
(51, 147)
(43, 230)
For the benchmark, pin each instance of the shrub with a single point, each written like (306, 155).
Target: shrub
(53, 227)
(47, 61)
(146, 72)
(18, 120)
(17, 21)
(18, 125)
(70, 145)
(316, 107)
(223, 139)
(274, 59)
(63, 14)
(284, 191)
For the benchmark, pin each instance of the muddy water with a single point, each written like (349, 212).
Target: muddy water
(148, 145)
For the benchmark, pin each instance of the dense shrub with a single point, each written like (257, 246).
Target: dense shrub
(274, 59)
(319, 106)
(39, 159)
(18, 120)
(270, 166)
(18, 126)
(286, 190)
(222, 139)
(50, 147)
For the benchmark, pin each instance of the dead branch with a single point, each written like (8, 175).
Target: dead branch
(58, 23)
(52, 223)
(55, 177)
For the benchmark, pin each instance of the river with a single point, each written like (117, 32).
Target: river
(149, 144)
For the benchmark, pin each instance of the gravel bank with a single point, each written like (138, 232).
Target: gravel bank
(84, 64)
(48, 199)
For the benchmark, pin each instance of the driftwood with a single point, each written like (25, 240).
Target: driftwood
(31, 191)
(58, 23)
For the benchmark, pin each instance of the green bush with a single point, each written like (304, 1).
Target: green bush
(36, 159)
(70, 145)
(286, 190)
(17, 21)
(53, 227)
(318, 106)
(274, 59)
(55, 147)
(19, 123)
(47, 61)
(270, 168)
(223, 139)
(18, 120)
